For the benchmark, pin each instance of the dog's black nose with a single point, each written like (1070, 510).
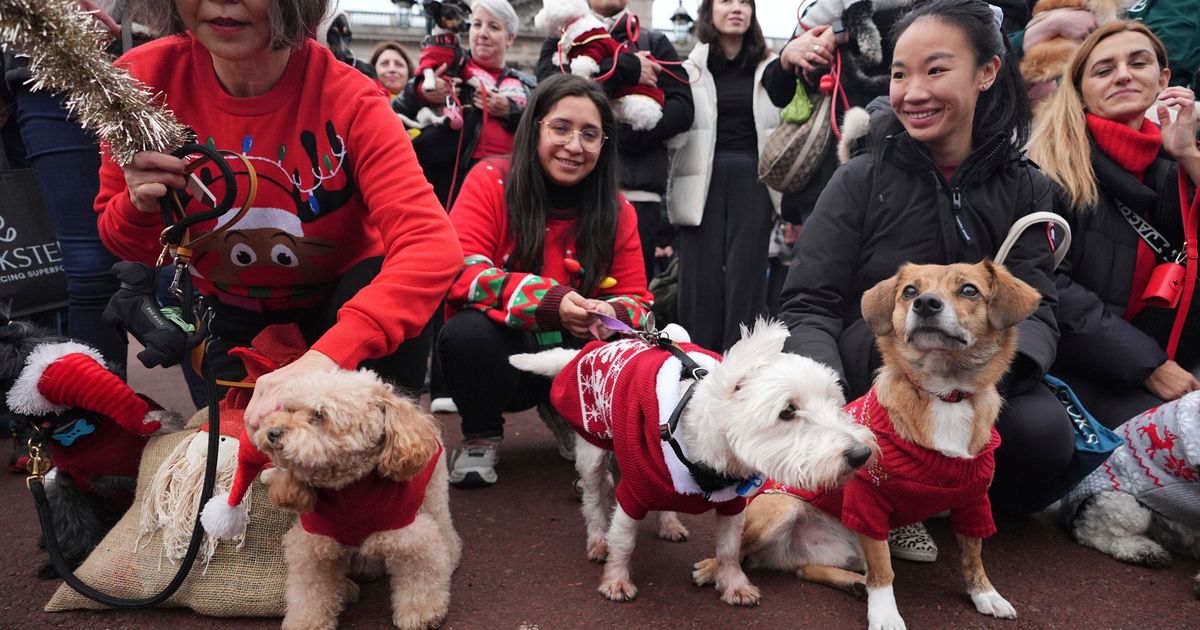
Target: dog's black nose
(926, 305)
(856, 456)
(273, 434)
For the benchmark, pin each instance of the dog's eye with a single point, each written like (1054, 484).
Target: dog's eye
(317, 416)
(788, 413)
(909, 292)
(969, 290)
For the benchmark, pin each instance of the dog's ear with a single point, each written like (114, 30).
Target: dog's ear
(1012, 299)
(410, 436)
(287, 492)
(877, 305)
(755, 348)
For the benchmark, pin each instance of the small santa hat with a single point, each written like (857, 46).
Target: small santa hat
(60, 376)
(224, 516)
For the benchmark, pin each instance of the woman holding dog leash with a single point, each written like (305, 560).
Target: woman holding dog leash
(942, 181)
(448, 155)
(549, 243)
(344, 236)
(1130, 334)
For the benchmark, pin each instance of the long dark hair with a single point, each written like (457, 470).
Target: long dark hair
(754, 47)
(527, 199)
(1004, 107)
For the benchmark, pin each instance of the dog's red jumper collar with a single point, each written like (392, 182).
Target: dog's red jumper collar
(957, 395)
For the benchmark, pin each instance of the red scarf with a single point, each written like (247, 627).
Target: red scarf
(1133, 151)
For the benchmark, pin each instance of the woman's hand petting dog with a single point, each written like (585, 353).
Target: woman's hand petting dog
(1170, 381)
(269, 387)
(577, 315)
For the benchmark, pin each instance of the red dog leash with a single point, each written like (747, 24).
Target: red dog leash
(1191, 221)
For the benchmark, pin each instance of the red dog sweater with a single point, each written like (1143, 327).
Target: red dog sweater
(371, 504)
(615, 395)
(907, 483)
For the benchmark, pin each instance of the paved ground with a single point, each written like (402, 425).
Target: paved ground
(524, 567)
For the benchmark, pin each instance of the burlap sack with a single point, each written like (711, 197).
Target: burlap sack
(235, 582)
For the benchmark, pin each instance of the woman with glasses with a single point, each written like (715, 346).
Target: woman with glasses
(548, 243)
(723, 259)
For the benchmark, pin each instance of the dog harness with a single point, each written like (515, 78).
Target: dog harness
(616, 396)
(372, 504)
(907, 483)
(1159, 464)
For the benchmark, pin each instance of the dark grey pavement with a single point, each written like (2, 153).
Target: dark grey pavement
(524, 567)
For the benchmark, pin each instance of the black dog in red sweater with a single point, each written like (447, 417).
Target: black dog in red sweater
(97, 428)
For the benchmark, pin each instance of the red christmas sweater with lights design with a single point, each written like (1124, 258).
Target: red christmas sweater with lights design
(908, 483)
(338, 182)
(530, 301)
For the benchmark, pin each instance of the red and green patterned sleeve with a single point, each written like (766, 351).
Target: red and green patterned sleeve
(507, 297)
(629, 295)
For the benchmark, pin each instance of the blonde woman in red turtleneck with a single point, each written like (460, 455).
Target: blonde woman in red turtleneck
(1094, 141)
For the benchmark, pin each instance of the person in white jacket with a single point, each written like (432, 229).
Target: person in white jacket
(725, 214)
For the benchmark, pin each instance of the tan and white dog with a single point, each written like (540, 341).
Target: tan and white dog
(946, 334)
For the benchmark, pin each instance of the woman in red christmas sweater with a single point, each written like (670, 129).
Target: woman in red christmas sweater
(1112, 165)
(548, 241)
(344, 236)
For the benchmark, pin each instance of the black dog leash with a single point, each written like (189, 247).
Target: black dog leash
(708, 479)
(173, 235)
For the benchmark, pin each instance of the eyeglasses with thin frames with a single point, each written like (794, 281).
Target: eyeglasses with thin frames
(590, 139)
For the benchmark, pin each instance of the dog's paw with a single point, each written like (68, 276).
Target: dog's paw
(350, 591)
(618, 590)
(296, 623)
(858, 589)
(418, 620)
(992, 603)
(1196, 586)
(671, 529)
(597, 550)
(745, 595)
(890, 621)
(1141, 550)
(705, 571)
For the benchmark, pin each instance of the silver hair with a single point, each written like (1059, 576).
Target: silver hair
(501, 9)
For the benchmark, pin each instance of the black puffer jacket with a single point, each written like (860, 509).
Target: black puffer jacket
(1094, 281)
(892, 205)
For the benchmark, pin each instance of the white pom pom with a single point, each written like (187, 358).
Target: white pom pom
(677, 333)
(222, 520)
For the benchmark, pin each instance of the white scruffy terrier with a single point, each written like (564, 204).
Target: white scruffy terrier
(691, 444)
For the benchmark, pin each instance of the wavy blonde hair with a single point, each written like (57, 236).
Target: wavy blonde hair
(1060, 145)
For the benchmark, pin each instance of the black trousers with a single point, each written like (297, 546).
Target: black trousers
(474, 352)
(723, 261)
(234, 327)
(1036, 463)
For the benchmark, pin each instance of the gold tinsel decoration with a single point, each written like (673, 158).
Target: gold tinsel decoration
(66, 54)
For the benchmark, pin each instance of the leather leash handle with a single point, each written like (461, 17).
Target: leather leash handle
(169, 202)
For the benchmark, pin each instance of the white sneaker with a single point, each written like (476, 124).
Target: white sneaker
(474, 463)
(445, 404)
(913, 543)
(564, 434)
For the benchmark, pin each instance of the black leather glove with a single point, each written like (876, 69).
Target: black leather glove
(135, 308)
